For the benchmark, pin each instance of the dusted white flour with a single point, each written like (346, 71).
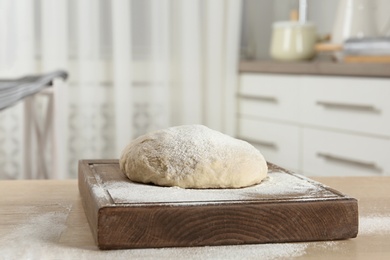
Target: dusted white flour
(374, 224)
(277, 185)
(38, 238)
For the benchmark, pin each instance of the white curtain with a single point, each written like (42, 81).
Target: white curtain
(134, 66)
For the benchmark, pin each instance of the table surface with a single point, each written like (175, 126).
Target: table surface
(44, 219)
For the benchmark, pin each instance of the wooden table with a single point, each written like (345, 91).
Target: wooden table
(46, 220)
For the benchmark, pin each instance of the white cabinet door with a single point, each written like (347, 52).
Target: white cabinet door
(356, 104)
(328, 153)
(318, 125)
(268, 96)
(279, 143)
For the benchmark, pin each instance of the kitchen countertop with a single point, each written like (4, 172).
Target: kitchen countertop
(316, 67)
(44, 219)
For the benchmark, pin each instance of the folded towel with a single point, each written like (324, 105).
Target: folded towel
(13, 90)
(367, 46)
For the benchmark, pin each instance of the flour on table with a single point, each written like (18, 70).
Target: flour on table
(34, 238)
(374, 224)
(193, 156)
(38, 237)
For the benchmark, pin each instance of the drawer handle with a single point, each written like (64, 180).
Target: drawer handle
(359, 107)
(336, 158)
(267, 144)
(269, 99)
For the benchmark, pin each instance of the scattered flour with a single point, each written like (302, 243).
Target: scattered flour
(32, 239)
(31, 247)
(283, 185)
(38, 239)
(374, 224)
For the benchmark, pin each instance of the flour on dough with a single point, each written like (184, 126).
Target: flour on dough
(193, 156)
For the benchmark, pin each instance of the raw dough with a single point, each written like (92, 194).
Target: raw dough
(193, 156)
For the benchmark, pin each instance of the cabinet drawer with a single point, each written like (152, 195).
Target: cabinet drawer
(269, 96)
(278, 143)
(328, 153)
(355, 104)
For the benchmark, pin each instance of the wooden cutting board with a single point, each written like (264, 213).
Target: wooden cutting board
(285, 207)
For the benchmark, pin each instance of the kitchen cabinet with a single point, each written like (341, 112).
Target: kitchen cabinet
(317, 125)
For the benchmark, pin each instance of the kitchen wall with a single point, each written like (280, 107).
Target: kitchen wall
(258, 16)
(310, 126)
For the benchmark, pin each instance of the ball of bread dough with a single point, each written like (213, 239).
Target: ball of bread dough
(193, 156)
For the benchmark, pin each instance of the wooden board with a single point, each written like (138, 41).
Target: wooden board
(284, 208)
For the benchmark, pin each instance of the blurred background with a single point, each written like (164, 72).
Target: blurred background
(139, 65)
(259, 15)
(134, 66)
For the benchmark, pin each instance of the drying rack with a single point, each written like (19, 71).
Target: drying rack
(40, 128)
